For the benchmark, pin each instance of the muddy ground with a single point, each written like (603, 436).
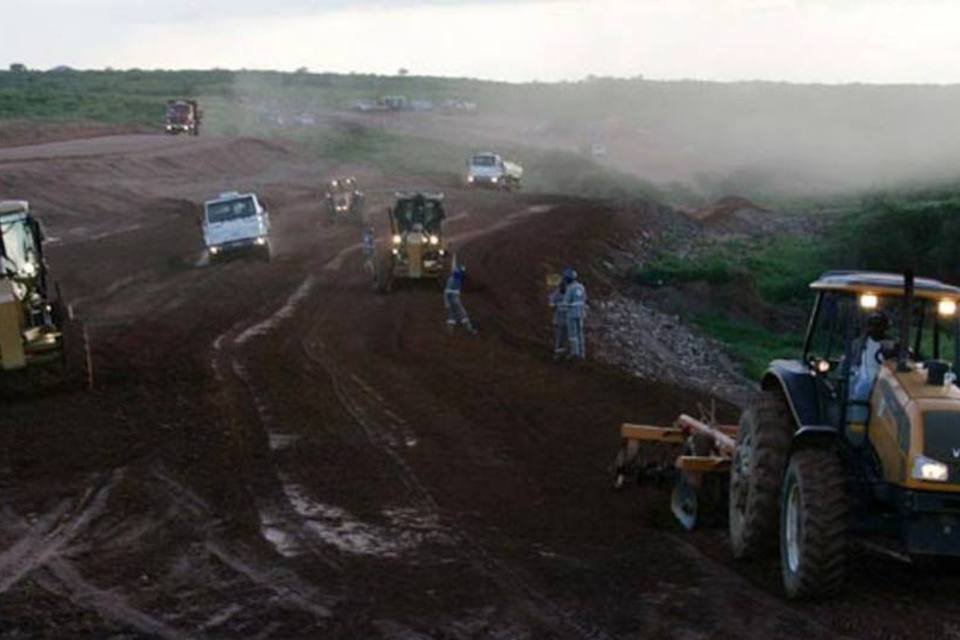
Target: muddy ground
(273, 451)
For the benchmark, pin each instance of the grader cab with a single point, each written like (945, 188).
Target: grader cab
(855, 441)
(37, 328)
(417, 248)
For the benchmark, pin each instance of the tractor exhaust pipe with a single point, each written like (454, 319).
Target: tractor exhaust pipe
(904, 345)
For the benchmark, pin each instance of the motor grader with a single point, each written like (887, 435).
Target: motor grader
(417, 248)
(38, 330)
(828, 457)
(344, 200)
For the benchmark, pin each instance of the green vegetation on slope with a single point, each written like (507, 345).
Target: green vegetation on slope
(917, 230)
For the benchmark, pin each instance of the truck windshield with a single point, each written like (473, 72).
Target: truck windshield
(231, 210)
(484, 161)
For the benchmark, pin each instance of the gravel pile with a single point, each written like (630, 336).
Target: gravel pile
(658, 346)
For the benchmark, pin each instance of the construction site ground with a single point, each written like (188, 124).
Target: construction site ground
(272, 450)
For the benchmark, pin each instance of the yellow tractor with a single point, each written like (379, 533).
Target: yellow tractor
(37, 329)
(855, 441)
(417, 248)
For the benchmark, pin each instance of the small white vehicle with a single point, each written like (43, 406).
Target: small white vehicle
(236, 222)
(489, 169)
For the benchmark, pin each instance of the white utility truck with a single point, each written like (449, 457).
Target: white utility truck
(489, 169)
(236, 222)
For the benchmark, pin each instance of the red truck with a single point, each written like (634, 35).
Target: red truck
(183, 116)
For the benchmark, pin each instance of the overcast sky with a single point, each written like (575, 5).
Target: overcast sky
(794, 40)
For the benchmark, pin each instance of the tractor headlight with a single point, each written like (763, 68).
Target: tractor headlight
(868, 301)
(930, 470)
(397, 239)
(470, 179)
(947, 307)
(261, 241)
(396, 252)
(494, 180)
(214, 250)
(434, 240)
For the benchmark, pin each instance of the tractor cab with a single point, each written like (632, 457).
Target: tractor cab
(882, 351)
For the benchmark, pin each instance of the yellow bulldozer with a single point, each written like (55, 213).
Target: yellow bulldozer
(38, 330)
(855, 443)
(417, 247)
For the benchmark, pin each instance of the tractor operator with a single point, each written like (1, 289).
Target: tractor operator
(869, 352)
(456, 313)
(574, 304)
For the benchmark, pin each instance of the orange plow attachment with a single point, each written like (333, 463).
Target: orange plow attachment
(692, 453)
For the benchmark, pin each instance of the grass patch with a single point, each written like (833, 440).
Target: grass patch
(752, 346)
(780, 268)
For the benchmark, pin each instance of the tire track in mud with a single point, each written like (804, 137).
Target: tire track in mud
(62, 578)
(44, 541)
(363, 404)
(538, 605)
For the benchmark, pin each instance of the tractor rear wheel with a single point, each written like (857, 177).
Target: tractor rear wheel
(814, 511)
(756, 473)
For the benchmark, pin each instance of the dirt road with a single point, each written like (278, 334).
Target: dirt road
(274, 451)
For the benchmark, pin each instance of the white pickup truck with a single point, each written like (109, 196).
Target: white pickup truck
(235, 222)
(491, 170)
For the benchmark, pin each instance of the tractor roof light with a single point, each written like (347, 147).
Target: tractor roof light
(869, 301)
(947, 307)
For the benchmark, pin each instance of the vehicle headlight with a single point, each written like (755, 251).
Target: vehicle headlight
(494, 180)
(925, 468)
(396, 252)
(261, 241)
(397, 239)
(868, 301)
(947, 307)
(214, 250)
(434, 239)
(470, 178)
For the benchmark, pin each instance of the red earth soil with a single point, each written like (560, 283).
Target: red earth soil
(274, 451)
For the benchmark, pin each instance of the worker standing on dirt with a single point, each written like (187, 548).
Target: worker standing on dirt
(574, 304)
(555, 301)
(456, 313)
(369, 249)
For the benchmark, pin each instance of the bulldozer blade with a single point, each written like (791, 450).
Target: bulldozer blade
(683, 504)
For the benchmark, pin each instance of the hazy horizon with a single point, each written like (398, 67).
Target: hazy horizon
(794, 41)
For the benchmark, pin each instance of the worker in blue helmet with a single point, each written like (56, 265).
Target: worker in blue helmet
(456, 313)
(555, 300)
(369, 249)
(575, 303)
